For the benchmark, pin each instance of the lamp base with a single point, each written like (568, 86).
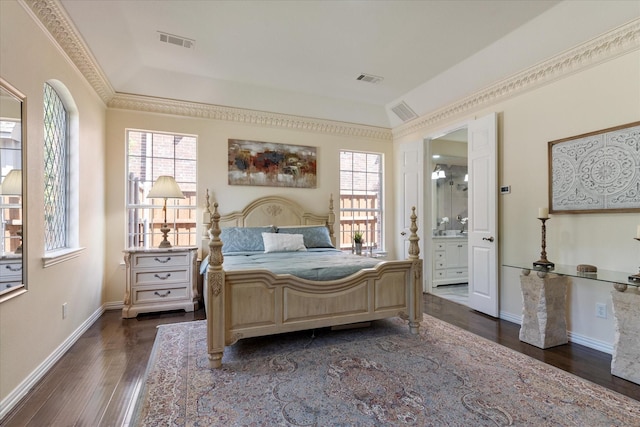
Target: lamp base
(165, 243)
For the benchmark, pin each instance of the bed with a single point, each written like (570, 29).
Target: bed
(251, 300)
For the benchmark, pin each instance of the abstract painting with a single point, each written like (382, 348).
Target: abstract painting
(271, 164)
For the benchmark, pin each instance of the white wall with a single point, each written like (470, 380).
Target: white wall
(31, 325)
(212, 173)
(599, 97)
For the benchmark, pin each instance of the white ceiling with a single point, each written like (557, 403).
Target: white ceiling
(292, 57)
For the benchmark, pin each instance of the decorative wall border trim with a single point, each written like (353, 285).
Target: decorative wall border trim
(244, 116)
(54, 18)
(614, 43)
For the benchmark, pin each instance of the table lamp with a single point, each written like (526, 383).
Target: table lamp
(165, 187)
(12, 186)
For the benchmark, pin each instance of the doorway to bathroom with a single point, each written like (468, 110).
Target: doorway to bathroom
(449, 183)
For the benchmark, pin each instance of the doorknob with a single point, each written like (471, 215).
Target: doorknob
(403, 233)
(489, 239)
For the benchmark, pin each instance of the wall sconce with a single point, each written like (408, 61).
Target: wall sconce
(438, 173)
(12, 186)
(165, 187)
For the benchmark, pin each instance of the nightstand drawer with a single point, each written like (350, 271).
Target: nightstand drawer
(440, 264)
(440, 274)
(160, 260)
(11, 271)
(439, 255)
(439, 246)
(160, 277)
(142, 296)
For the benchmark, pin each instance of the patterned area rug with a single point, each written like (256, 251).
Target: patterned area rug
(376, 376)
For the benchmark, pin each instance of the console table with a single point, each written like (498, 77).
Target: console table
(544, 320)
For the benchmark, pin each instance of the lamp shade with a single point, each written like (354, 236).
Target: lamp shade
(165, 187)
(12, 184)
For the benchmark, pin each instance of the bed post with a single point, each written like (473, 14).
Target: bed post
(215, 294)
(331, 220)
(415, 309)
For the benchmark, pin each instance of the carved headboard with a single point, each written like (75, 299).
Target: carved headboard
(270, 210)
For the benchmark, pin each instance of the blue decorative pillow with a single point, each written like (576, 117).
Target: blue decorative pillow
(243, 239)
(315, 236)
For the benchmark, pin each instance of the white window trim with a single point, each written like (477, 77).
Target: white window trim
(60, 255)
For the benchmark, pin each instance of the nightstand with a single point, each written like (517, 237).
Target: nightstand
(10, 271)
(160, 280)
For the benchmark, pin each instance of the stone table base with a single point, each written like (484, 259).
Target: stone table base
(544, 322)
(625, 362)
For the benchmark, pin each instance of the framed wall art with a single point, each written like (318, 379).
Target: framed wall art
(271, 164)
(596, 172)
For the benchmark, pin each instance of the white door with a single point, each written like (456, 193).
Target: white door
(409, 164)
(483, 223)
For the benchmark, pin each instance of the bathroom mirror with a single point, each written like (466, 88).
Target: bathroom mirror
(12, 138)
(449, 183)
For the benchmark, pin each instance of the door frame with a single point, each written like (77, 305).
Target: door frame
(428, 199)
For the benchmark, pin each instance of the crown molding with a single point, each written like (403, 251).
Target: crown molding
(244, 116)
(610, 45)
(54, 18)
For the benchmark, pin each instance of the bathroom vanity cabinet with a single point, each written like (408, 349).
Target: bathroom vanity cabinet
(450, 260)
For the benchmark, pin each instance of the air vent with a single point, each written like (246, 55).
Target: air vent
(177, 40)
(405, 112)
(369, 78)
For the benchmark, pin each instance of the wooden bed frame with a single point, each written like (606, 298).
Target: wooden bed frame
(250, 303)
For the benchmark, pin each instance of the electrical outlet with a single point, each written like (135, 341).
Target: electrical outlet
(601, 310)
(64, 310)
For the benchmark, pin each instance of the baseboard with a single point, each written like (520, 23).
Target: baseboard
(602, 346)
(511, 318)
(113, 305)
(13, 398)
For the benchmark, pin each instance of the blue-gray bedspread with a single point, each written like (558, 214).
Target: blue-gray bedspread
(319, 264)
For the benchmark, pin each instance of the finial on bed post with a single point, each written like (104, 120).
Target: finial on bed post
(206, 216)
(414, 249)
(331, 220)
(215, 294)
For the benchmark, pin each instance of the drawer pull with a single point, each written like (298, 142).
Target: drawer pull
(163, 262)
(459, 246)
(162, 295)
(17, 268)
(163, 278)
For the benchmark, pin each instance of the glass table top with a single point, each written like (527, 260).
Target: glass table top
(571, 270)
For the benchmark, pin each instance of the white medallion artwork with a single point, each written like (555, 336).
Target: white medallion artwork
(596, 171)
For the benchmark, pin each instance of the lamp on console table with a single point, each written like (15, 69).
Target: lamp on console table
(543, 215)
(165, 187)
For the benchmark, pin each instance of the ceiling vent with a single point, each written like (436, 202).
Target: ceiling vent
(405, 112)
(370, 78)
(177, 40)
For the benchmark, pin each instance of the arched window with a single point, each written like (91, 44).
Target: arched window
(56, 178)
(61, 207)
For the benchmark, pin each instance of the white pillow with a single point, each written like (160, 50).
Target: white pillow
(274, 242)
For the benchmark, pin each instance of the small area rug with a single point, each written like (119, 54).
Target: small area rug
(376, 376)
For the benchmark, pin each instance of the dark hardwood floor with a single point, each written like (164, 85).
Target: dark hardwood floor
(96, 382)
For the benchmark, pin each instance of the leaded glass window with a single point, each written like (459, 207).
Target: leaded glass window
(56, 170)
